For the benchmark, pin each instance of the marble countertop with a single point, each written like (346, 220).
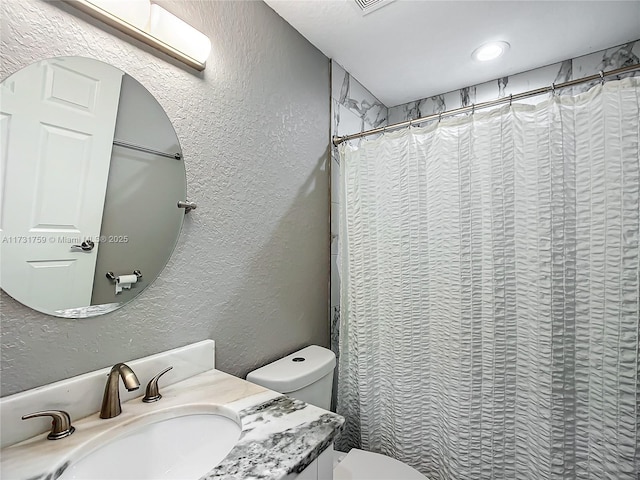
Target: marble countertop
(279, 436)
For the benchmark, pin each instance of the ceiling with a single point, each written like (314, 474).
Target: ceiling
(412, 49)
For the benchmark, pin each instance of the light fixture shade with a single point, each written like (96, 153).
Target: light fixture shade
(183, 37)
(134, 12)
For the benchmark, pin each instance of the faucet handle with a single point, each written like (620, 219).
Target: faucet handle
(153, 393)
(60, 426)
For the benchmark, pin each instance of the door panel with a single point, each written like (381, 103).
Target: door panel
(58, 275)
(71, 89)
(58, 151)
(64, 160)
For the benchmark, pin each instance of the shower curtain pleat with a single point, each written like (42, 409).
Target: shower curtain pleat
(490, 271)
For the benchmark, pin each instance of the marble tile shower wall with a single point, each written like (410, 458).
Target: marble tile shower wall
(579, 67)
(353, 109)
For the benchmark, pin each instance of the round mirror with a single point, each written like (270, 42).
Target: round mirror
(91, 175)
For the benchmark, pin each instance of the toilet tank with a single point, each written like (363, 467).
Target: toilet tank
(306, 375)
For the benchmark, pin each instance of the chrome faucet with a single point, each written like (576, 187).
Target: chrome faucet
(111, 400)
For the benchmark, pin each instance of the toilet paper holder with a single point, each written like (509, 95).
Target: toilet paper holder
(113, 278)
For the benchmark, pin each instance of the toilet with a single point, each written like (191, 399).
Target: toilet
(308, 376)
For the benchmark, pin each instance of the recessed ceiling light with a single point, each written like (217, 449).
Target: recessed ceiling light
(490, 51)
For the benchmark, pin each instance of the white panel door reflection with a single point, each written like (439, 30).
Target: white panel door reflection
(56, 150)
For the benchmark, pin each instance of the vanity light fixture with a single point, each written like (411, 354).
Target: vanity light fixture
(169, 29)
(490, 51)
(152, 25)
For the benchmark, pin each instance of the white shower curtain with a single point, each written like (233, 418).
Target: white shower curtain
(490, 283)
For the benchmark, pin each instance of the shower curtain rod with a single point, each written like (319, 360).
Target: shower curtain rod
(471, 108)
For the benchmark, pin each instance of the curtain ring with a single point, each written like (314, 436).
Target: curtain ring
(439, 117)
(553, 89)
(473, 108)
(511, 99)
(601, 77)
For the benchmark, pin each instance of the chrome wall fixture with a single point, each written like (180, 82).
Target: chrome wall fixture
(187, 205)
(472, 108)
(176, 156)
(111, 276)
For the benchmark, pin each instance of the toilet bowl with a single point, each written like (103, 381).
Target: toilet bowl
(361, 465)
(308, 376)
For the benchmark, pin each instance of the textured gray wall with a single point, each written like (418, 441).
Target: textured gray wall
(251, 267)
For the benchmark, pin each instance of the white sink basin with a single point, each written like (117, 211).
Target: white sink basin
(184, 446)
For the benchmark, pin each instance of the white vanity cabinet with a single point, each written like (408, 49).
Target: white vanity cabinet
(320, 469)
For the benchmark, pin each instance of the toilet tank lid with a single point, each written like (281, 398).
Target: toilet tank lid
(295, 371)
